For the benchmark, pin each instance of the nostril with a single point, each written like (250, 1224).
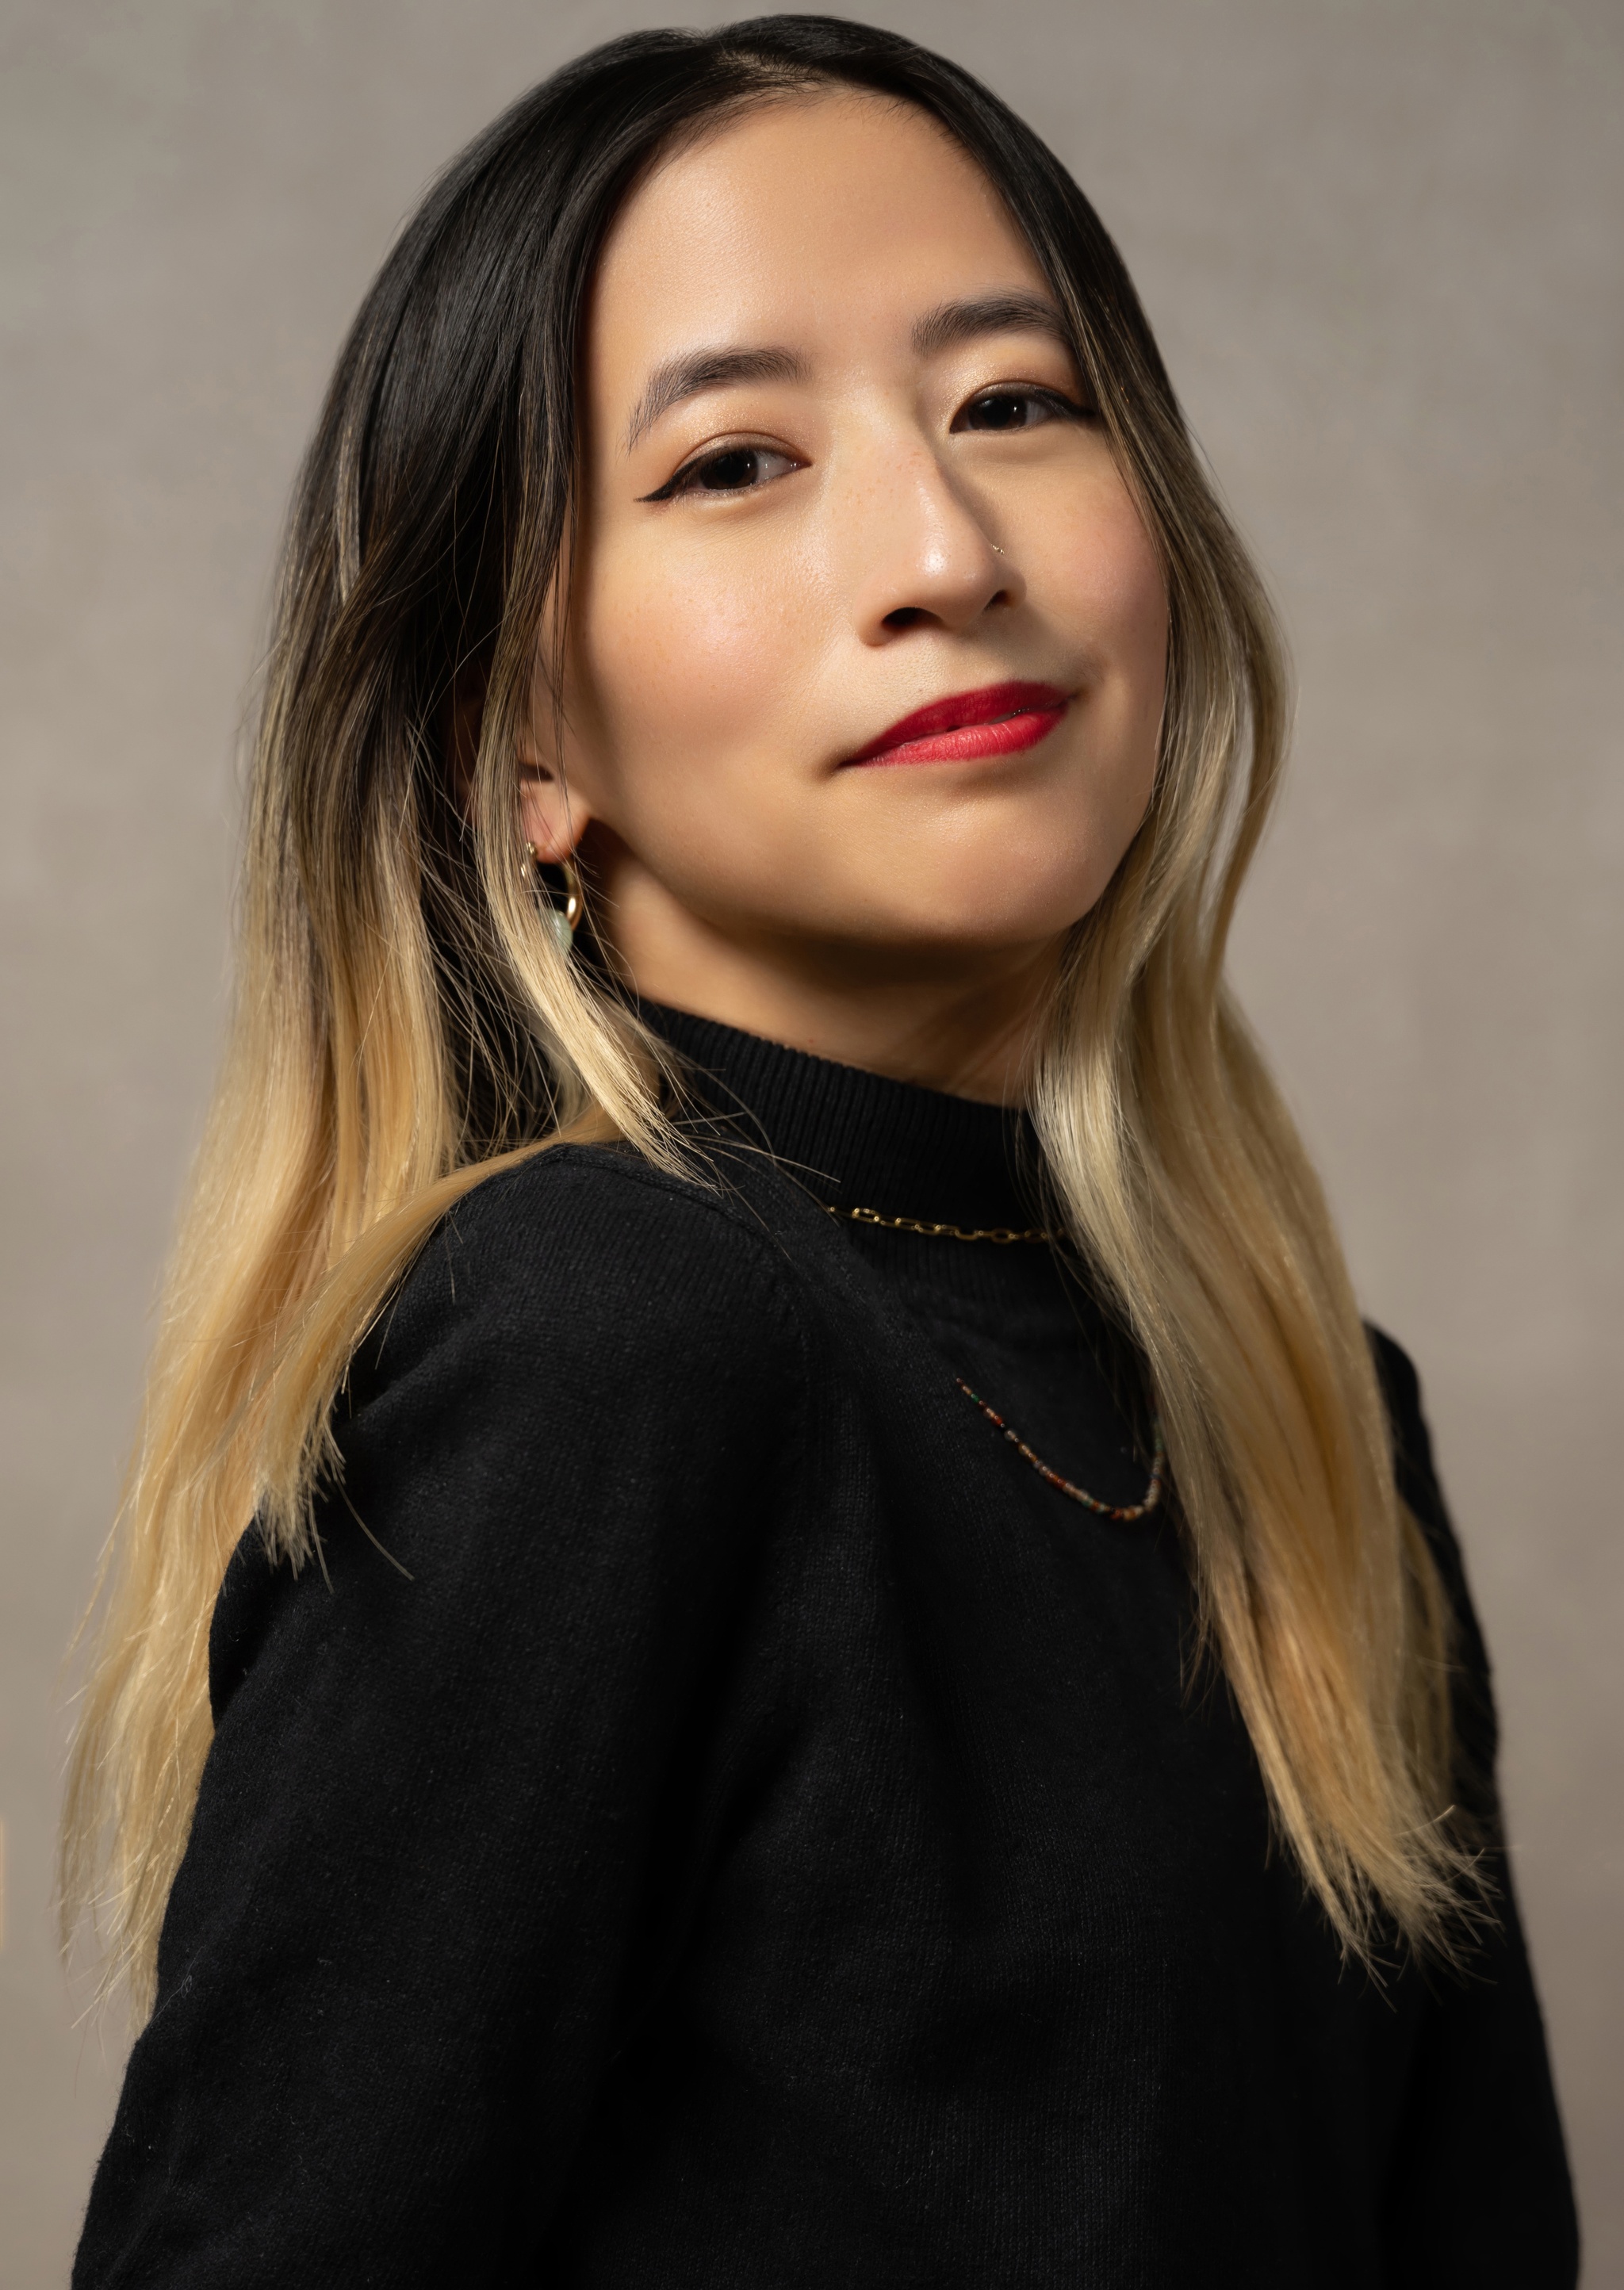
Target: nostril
(906, 616)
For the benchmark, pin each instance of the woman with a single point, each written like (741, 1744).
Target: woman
(849, 1670)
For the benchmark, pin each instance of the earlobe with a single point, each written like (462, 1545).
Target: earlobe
(551, 821)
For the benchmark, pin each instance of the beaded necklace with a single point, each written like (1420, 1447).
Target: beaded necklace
(1004, 1235)
(1124, 1513)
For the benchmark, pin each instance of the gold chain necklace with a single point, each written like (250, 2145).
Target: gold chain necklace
(1004, 1235)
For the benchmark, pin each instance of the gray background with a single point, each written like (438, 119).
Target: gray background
(1381, 244)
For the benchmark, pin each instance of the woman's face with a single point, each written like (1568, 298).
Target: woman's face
(867, 644)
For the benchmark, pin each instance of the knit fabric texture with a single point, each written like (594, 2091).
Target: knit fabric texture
(716, 1817)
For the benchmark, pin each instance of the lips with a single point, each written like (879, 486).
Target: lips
(998, 720)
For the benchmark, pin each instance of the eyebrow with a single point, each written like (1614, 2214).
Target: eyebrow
(684, 377)
(951, 323)
(678, 379)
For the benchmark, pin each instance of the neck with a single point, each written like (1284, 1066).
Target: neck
(965, 1021)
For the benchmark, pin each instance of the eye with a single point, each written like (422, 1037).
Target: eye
(1018, 406)
(733, 469)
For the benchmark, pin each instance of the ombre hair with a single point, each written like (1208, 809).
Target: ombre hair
(406, 1024)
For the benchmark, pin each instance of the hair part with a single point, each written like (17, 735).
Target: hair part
(405, 1026)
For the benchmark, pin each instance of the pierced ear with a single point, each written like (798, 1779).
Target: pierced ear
(551, 820)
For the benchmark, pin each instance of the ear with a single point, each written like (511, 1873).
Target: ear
(552, 819)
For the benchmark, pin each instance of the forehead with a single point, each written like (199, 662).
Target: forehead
(820, 224)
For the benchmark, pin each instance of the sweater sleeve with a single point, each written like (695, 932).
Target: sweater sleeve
(1481, 2192)
(431, 1875)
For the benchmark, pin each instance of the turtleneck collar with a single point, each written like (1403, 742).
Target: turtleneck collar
(858, 1140)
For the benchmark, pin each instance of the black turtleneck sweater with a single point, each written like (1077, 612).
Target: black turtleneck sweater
(717, 1817)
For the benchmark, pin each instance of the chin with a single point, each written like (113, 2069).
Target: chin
(949, 936)
(998, 909)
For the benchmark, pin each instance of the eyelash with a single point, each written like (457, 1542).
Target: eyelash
(685, 479)
(1066, 408)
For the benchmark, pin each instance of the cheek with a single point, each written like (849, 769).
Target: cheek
(1107, 579)
(1107, 563)
(691, 664)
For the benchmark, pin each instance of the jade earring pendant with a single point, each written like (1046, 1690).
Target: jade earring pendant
(561, 920)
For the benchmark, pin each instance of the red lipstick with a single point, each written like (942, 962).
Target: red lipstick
(998, 720)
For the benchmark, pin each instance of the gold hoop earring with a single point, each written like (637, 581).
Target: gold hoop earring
(561, 921)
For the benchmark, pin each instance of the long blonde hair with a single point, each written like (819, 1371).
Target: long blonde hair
(403, 1026)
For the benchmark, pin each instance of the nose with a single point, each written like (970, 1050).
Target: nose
(925, 559)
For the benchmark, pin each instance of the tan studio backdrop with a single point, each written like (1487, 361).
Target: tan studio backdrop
(1383, 243)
